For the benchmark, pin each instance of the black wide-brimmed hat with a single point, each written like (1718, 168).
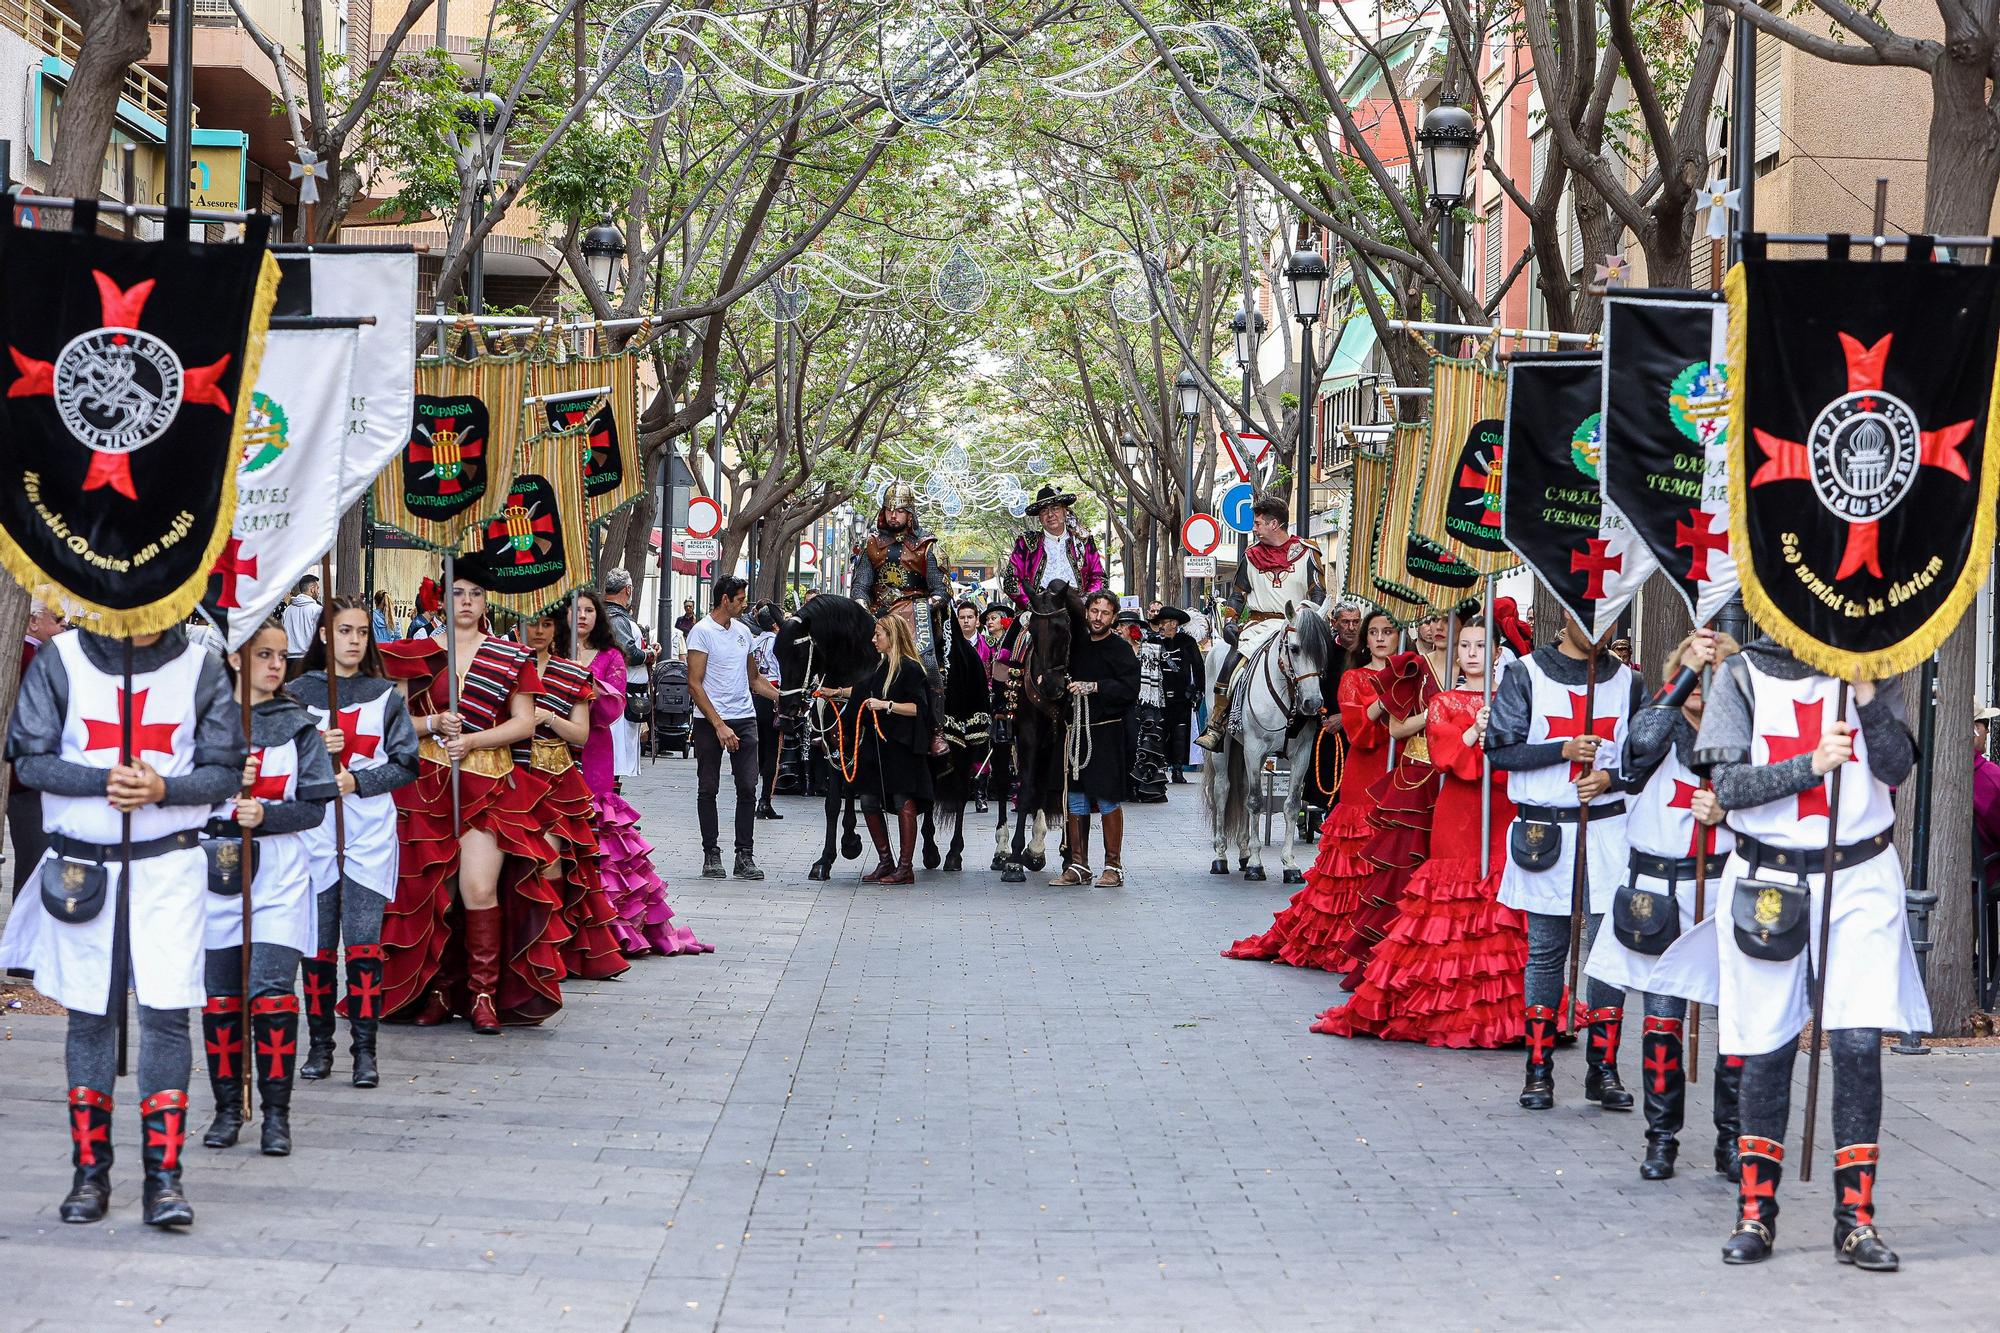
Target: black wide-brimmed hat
(1049, 495)
(1173, 613)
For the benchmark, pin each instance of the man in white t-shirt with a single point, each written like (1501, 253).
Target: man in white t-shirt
(723, 675)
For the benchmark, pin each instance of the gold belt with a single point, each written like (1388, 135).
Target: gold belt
(1418, 748)
(486, 763)
(549, 755)
(1255, 616)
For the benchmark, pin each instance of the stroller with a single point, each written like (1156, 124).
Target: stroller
(673, 709)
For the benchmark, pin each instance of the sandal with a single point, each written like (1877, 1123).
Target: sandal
(1072, 876)
(1112, 878)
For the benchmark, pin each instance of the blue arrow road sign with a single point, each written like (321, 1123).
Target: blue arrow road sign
(1236, 503)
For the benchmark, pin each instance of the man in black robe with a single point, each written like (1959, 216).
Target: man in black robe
(1104, 675)
(1184, 677)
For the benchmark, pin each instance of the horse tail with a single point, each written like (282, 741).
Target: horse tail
(1236, 815)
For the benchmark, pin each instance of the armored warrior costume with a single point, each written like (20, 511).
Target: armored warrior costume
(254, 1029)
(353, 886)
(1537, 735)
(1654, 907)
(1279, 574)
(1769, 738)
(900, 569)
(64, 742)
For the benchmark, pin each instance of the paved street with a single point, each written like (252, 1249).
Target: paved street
(966, 1106)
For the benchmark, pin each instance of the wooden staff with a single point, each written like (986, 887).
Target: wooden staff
(244, 876)
(1825, 941)
(333, 713)
(1579, 886)
(451, 670)
(121, 919)
(1485, 772)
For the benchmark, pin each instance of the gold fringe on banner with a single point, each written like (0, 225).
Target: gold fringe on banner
(539, 536)
(466, 431)
(1392, 572)
(1465, 394)
(607, 425)
(1371, 474)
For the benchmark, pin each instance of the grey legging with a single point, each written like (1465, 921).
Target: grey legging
(349, 914)
(1857, 1087)
(90, 1051)
(273, 970)
(1548, 948)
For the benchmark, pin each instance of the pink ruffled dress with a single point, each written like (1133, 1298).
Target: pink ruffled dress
(644, 924)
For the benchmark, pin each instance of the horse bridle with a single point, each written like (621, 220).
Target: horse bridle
(1273, 651)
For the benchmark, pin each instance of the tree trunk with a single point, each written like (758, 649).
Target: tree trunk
(1660, 626)
(350, 561)
(635, 552)
(114, 35)
(610, 550)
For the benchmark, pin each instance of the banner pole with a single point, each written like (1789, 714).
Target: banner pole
(1486, 773)
(451, 668)
(245, 874)
(121, 926)
(1825, 940)
(333, 711)
(1579, 885)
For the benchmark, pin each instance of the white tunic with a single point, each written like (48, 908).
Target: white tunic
(1872, 979)
(72, 963)
(1275, 596)
(369, 822)
(282, 908)
(1556, 715)
(1660, 822)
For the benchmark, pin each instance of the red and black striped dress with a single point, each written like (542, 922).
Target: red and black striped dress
(421, 954)
(547, 767)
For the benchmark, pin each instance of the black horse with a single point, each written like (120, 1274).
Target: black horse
(955, 772)
(829, 644)
(1041, 709)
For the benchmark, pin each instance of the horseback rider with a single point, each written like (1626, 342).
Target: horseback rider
(899, 568)
(1056, 555)
(1281, 572)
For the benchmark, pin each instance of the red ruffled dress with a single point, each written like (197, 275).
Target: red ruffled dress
(548, 768)
(644, 922)
(1405, 800)
(1448, 970)
(1305, 933)
(422, 945)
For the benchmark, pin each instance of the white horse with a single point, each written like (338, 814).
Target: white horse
(1283, 693)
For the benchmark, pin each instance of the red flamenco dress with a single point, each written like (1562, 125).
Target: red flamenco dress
(1448, 970)
(547, 766)
(439, 958)
(1405, 800)
(1304, 933)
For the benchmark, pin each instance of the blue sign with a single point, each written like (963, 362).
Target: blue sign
(1236, 503)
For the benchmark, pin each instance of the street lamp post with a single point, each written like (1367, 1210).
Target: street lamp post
(1447, 137)
(1188, 390)
(482, 119)
(1307, 272)
(1128, 450)
(1247, 327)
(603, 247)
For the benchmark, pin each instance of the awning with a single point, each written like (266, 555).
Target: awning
(1350, 357)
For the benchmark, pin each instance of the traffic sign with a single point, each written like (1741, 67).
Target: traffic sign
(1245, 448)
(808, 554)
(1201, 534)
(1199, 566)
(1236, 504)
(704, 518)
(701, 548)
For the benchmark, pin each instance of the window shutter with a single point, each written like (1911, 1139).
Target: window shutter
(1491, 243)
(1770, 98)
(1573, 234)
(1540, 167)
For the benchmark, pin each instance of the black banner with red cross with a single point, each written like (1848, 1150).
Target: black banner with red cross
(1862, 470)
(1553, 512)
(126, 391)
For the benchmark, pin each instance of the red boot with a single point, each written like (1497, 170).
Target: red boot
(482, 968)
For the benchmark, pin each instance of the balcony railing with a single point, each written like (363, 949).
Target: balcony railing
(50, 30)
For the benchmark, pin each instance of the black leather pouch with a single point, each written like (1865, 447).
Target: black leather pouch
(1533, 844)
(1771, 918)
(1644, 921)
(225, 865)
(73, 891)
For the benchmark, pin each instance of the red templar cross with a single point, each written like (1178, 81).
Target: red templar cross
(1755, 1191)
(266, 789)
(225, 1047)
(1695, 535)
(87, 1135)
(1562, 728)
(1660, 1064)
(318, 991)
(1539, 1042)
(1810, 718)
(1683, 799)
(276, 1046)
(169, 1137)
(147, 737)
(1787, 460)
(1596, 563)
(233, 568)
(360, 745)
(365, 990)
(1861, 1198)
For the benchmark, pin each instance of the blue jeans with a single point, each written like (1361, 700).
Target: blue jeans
(1082, 805)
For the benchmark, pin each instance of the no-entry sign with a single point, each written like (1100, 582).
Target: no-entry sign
(1201, 534)
(704, 517)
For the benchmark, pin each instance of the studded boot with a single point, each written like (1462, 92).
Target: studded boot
(163, 1117)
(1728, 1115)
(1538, 1092)
(1855, 1240)
(364, 1010)
(90, 1153)
(1757, 1199)
(222, 1042)
(1602, 1084)
(274, 1023)
(318, 975)
(1665, 1084)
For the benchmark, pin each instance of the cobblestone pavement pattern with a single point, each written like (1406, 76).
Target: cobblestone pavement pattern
(967, 1106)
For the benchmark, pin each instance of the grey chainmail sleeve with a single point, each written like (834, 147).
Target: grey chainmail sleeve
(35, 735)
(400, 738)
(1507, 745)
(1892, 750)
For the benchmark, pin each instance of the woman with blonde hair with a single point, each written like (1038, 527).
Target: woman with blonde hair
(888, 721)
